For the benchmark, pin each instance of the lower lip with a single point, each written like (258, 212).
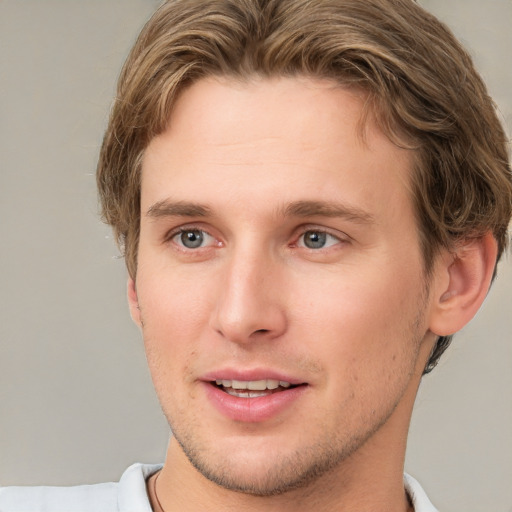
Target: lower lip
(252, 410)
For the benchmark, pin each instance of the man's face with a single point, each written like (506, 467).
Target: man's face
(279, 249)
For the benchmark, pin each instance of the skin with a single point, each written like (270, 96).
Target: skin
(354, 319)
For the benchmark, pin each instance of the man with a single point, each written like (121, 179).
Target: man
(312, 198)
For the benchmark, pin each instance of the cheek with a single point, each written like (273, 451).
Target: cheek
(170, 363)
(363, 323)
(172, 300)
(174, 314)
(368, 343)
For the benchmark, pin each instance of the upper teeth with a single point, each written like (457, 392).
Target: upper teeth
(254, 385)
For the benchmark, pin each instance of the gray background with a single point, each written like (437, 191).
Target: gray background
(76, 401)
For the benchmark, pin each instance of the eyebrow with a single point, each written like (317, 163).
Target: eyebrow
(167, 208)
(328, 209)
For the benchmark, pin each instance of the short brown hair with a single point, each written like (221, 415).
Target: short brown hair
(423, 91)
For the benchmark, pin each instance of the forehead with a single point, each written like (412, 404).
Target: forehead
(306, 108)
(299, 134)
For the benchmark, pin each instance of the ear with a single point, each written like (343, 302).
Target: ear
(133, 302)
(462, 281)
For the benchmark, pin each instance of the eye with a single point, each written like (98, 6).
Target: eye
(192, 238)
(314, 239)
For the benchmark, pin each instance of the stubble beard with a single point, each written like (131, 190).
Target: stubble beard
(299, 469)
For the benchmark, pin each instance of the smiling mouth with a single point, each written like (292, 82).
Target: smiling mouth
(253, 388)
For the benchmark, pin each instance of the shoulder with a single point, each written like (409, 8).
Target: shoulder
(80, 498)
(127, 495)
(418, 497)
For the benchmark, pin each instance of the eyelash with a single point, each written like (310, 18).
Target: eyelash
(318, 231)
(297, 243)
(188, 229)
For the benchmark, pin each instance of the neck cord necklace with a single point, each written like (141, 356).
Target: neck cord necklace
(159, 507)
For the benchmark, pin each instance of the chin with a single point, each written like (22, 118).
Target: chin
(263, 470)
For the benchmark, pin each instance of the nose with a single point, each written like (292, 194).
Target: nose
(250, 305)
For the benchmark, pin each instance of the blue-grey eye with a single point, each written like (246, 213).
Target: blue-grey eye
(315, 239)
(191, 238)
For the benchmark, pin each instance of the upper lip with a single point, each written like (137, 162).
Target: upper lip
(251, 375)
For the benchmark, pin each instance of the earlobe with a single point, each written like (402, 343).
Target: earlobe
(133, 302)
(464, 278)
